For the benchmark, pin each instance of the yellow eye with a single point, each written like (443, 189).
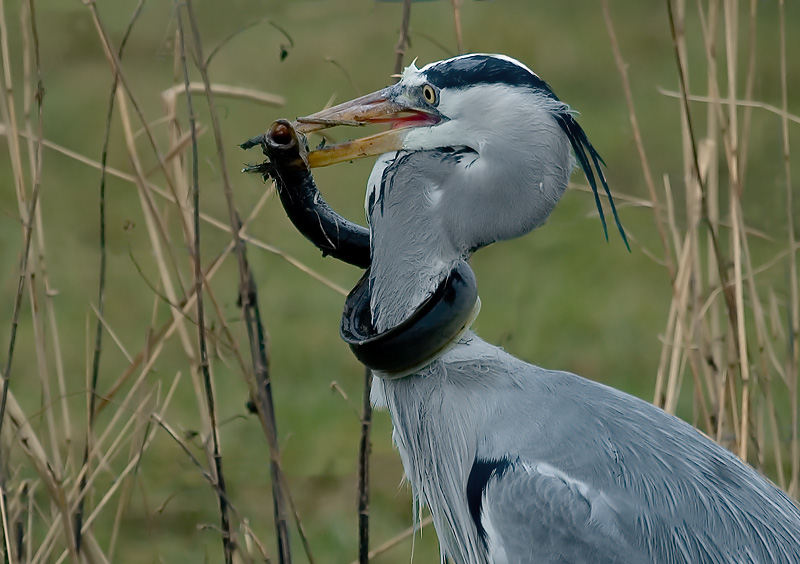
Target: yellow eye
(429, 94)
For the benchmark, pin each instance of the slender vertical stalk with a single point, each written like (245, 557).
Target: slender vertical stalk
(402, 42)
(28, 213)
(622, 68)
(456, 4)
(364, 449)
(5, 377)
(714, 349)
(793, 315)
(735, 193)
(222, 498)
(8, 111)
(248, 296)
(101, 284)
(366, 416)
(728, 294)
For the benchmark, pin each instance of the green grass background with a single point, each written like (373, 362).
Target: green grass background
(561, 297)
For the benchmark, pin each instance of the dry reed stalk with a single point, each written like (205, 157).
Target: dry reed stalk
(139, 436)
(101, 285)
(364, 450)
(141, 414)
(33, 91)
(4, 520)
(249, 303)
(228, 542)
(659, 395)
(622, 68)
(103, 459)
(25, 436)
(27, 205)
(10, 119)
(746, 104)
(106, 448)
(402, 41)
(243, 235)
(102, 463)
(749, 85)
(456, 6)
(397, 539)
(730, 345)
(697, 196)
(159, 240)
(117, 70)
(713, 349)
(792, 369)
(156, 229)
(211, 480)
(170, 96)
(734, 194)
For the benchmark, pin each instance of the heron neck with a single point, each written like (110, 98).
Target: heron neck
(411, 252)
(402, 279)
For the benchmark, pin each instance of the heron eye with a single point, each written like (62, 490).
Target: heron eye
(429, 94)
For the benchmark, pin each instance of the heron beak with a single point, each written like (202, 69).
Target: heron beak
(378, 107)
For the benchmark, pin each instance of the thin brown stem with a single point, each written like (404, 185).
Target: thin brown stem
(4, 523)
(222, 497)
(249, 304)
(364, 448)
(101, 285)
(793, 315)
(8, 111)
(622, 68)
(402, 42)
(728, 292)
(456, 4)
(397, 539)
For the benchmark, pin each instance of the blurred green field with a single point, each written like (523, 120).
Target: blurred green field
(561, 297)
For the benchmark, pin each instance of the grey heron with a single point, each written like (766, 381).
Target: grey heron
(517, 463)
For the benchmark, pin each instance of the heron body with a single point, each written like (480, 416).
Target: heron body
(522, 464)
(519, 464)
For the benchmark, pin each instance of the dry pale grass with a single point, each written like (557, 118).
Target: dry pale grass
(732, 335)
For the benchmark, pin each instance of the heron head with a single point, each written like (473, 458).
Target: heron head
(480, 102)
(491, 105)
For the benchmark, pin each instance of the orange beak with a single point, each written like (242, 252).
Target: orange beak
(378, 107)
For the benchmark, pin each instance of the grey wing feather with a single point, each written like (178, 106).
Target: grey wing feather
(614, 479)
(531, 516)
(535, 514)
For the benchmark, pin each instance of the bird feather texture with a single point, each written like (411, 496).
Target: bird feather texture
(596, 475)
(519, 464)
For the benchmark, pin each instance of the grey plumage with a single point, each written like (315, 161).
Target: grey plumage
(519, 464)
(595, 475)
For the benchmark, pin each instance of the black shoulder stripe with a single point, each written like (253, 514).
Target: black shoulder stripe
(581, 146)
(482, 471)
